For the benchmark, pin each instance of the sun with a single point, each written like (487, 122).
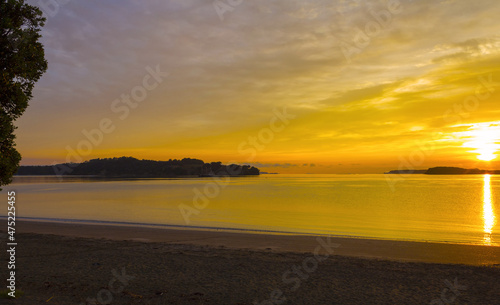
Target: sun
(486, 155)
(484, 138)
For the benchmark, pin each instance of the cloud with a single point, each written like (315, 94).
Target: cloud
(466, 50)
(274, 165)
(225, 78)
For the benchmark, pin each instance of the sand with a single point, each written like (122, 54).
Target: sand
(88, 264)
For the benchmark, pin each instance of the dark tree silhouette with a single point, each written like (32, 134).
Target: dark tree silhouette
(9, 156)
(22, 63)
(131, 167)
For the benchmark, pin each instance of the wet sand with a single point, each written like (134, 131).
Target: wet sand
(70, 263)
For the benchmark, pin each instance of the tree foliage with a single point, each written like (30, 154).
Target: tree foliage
(22, 63)
(131, 167)
(9, 156)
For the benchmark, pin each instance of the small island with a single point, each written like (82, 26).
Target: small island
(460, 171)
(129, 167)
(407, 171)
(443, 170)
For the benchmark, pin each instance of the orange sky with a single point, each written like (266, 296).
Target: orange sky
(290, 86)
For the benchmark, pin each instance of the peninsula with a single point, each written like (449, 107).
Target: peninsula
(128, 167)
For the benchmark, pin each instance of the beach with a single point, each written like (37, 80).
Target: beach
(62, 263)
(232, 152)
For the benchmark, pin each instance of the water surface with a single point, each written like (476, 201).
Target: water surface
(459, 209)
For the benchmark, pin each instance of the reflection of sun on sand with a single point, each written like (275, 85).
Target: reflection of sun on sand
(488, 213)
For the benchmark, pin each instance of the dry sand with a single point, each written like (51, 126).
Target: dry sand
(72, 263)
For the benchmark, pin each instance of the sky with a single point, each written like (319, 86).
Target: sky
(309, 86)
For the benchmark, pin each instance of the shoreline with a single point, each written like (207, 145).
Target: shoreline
(63, 264)
(404, 251)
(175, 227)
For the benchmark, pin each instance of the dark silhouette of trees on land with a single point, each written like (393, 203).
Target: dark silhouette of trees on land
(22, 63)
(460, 171)
(134, 168)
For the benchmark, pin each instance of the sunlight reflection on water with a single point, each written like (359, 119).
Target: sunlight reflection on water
(488, 213)
(422, 207)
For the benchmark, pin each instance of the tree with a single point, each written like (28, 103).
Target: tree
(9, 156)
(22, 63)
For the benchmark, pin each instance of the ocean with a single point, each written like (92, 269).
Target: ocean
(453, 209)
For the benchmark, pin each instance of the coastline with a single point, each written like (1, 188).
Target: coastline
(405, 251)
(60, 263)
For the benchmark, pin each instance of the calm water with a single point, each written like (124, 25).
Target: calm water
(463, 209)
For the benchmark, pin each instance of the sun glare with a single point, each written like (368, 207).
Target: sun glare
(484, 138)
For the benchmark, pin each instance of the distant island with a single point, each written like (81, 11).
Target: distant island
(128, 167)
(442, 170)
(459, 171)
(408, 171)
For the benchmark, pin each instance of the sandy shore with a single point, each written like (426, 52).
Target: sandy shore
(367, 248)
(69, 264)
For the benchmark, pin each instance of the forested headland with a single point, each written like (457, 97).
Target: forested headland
(132, 167)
